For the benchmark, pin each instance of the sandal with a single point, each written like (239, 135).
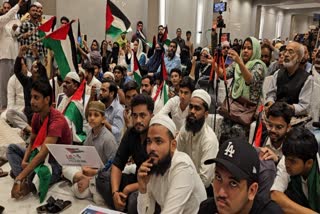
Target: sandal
(2, 173)
(54, 206)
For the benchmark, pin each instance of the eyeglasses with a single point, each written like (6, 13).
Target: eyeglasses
(289, 51)
(226, 47)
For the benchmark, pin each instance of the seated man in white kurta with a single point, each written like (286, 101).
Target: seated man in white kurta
(169, 177)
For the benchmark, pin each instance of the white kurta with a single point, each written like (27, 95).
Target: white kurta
(173, 107)
(200, 147)
(179, 190)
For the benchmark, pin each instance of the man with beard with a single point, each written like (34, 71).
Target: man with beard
(197, 139)
(172, 60)
(48, 127)
(147, 83)
(293, 84)
(30, 34)
(119, 190)
(235, 184)
(71, 106)
(168, 177)
(278, 125)
(178, 106)
(114, 110)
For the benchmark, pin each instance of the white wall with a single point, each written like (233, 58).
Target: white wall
(181, 14)
(238, 18)
(272, 18)
(92, 14)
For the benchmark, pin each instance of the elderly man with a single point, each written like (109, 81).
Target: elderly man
(71, 106)
(168, 177)
(9, 47)
(293, 84)
(197, 139)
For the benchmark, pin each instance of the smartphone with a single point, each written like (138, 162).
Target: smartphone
(228, 61)
(98, 93)
(85, 37)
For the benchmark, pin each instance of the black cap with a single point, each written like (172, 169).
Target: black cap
(239, 158)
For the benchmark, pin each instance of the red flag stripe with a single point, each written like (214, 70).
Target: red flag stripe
(109, 17)
(47, 26)
(61, 33)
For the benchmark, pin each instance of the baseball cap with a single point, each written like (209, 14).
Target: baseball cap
(239, 158)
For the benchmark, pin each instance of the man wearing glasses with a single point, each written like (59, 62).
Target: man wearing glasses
(292, 84)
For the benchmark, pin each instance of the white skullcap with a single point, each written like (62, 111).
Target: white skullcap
(205, 49)
(225, 43)
(108, 73)
(165, 121)
(38, 4)
(202, 94)
(73, 75)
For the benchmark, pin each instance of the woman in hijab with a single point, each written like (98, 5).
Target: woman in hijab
(248, 73)
(155, 60)
(141, 56)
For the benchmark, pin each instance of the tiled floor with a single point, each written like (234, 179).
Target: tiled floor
(30, 203)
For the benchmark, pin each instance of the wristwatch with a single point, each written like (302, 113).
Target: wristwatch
(17, 181)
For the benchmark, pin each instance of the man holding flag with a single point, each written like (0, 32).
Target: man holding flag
(34, 164)
(71, 106)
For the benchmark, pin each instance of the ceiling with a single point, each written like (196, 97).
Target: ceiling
(299, 6)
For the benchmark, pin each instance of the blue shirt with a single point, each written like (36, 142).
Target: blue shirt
(175, 62)
(114, 115)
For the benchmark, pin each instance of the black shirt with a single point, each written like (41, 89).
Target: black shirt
(259, 207)
(130, 146)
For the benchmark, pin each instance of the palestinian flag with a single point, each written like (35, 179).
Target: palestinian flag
(161, 97)
(136, 70)
(74, 114)
(62, 43)
(165, 38)
(116, 21)
(43, 171)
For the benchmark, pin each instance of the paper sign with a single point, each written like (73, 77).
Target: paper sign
(74, 155)
(98, 210)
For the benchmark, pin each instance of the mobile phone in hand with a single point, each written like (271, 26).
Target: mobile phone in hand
(228, 61)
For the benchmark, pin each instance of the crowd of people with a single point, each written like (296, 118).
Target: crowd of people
(163, 156)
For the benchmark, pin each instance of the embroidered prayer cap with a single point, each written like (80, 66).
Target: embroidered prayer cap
(73, 75)
(108, 73)
(165, 121)
(97, 106)
(202, 94)
(238, 157)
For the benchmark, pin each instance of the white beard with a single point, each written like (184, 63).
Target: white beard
(288, 64)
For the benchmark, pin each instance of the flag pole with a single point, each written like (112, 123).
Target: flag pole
(35, 42)
(105, 33)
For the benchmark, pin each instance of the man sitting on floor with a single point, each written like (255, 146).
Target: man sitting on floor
(33, 164)
(297, 185)
(235, 184)
(168, 177)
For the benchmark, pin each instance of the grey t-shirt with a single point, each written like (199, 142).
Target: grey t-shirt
(104, 142)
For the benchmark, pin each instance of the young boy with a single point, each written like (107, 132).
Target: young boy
(104, 142)
(297, 185)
